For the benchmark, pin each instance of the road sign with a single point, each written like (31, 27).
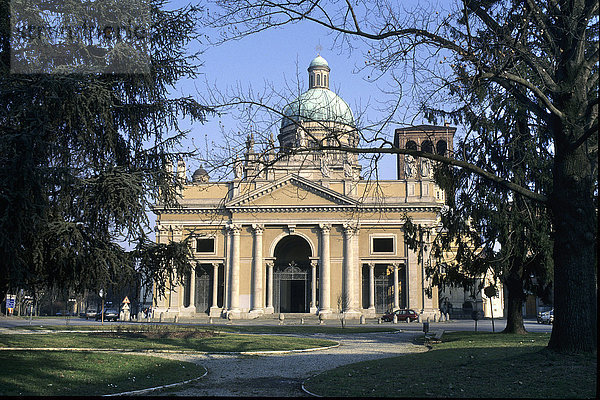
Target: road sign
(126, 300)
(10, 303)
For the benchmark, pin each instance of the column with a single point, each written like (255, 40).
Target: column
(372, 286)
(214, 308)
(235, 270)
(177, 302)
(349, 273)
(313, 287)
(269, 309)
(396, 296)
(257, 271)
(324, 293)
(192, 306)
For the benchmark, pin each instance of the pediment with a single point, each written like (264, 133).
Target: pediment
(291, 191)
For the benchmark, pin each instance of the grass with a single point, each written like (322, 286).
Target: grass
(163, 339)
(44, 373)
(277, 329)
(468, 365)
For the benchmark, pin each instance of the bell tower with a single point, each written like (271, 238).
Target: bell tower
(426, 138)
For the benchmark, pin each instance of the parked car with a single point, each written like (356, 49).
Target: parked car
(91, 313)
(109, 313)
(546, 317)
(403, 315)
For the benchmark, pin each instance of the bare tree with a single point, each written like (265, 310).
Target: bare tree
(542, 53)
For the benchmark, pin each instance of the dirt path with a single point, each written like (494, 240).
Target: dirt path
(282, 375)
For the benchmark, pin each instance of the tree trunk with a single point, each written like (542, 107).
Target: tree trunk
(574, 223)
(514, 315)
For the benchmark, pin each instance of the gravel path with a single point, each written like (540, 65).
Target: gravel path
(282, 375)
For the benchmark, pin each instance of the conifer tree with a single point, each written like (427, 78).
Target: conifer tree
(544, 54)
(87, 127)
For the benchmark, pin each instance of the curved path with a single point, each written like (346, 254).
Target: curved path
(282, 375)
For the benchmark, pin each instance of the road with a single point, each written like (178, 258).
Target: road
(457, 325)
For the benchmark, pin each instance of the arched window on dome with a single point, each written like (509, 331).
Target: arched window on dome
(319, 80)
(427, 146)
(325, 83)
(312, 80)
(411, 145)
(441, 146)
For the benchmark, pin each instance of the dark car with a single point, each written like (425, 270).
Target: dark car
(403, 315)
(109, 314)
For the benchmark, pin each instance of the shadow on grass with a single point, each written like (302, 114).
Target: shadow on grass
(54, 373)
(468, 365)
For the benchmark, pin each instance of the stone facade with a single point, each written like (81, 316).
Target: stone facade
(303, 234)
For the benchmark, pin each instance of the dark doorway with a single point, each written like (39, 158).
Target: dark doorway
(292, 276)
(292, 296)
(384, 287)
(203, 288)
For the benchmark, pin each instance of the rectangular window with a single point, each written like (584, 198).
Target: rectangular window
(383, 245)
(205, 245)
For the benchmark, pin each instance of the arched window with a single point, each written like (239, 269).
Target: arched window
(312, 80)
(427, 146)
(325, 79)
(411, 145)
(318, 80)
(441, 146)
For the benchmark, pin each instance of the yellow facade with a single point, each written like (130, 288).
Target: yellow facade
(305, 235)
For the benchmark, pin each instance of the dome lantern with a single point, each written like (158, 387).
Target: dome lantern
(318, 73)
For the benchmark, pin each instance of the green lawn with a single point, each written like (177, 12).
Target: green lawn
(43, 373)
(186, 340)
(468, 365)
(279, 329)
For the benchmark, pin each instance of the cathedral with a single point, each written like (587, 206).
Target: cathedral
(303, 232)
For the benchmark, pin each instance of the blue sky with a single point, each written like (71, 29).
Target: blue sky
(274, 57)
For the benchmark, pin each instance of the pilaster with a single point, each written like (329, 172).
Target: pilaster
(325, 266)
(257, 272)
(234, 308)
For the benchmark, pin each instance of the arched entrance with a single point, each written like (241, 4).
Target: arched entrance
(292, 275)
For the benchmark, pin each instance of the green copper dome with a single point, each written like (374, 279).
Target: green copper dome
(318, 104)
(318, 62)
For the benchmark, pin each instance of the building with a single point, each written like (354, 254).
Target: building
(306, 234)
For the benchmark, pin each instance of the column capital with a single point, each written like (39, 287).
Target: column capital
(215, 264)
(396, 264)
(258, 229)
(325, 228)
(314, 263)
(177, 229)
(350, 229)
(270, 264)
(234, 228)
(371, 265)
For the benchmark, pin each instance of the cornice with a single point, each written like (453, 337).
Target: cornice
(295, 209)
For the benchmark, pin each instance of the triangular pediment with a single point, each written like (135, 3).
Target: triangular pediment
(291, 191)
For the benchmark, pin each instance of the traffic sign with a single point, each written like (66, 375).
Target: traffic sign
(10, 303)
(126, 300)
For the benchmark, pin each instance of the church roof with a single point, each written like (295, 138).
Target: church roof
(318, 104)
(318, 62)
